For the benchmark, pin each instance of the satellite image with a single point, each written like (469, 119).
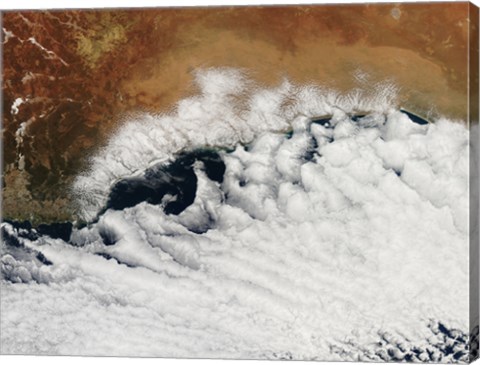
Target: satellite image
(250, 182)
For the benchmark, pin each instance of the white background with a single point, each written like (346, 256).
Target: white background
(44, 4)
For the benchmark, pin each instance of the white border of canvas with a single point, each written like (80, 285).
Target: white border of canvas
(49, 4)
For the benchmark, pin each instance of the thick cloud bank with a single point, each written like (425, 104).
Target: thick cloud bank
(344, 239)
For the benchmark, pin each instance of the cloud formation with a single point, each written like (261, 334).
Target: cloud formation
(345, 240)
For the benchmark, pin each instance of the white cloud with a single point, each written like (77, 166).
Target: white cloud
(305, 258)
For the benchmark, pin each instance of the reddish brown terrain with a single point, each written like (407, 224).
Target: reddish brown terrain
(70, 77)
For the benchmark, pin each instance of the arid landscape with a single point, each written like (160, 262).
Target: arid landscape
(71, 77)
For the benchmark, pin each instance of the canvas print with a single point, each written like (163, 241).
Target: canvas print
(253, 182)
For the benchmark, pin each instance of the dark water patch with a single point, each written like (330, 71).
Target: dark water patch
(24, 229)
(107, 256)
(326, 121)
(10, 239)
(416, 351)
(56, 230)
(445, 345)
(19, 224)
(414, 118)
(174, 185)
(178, 182)
(109, 237)
(323, 121)
(408, 358)
(82, 224)
(448, 350)
(358, 117)
(444, 330)
(23, 256)
(311, 150)
(214, 166)
(41, 257)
